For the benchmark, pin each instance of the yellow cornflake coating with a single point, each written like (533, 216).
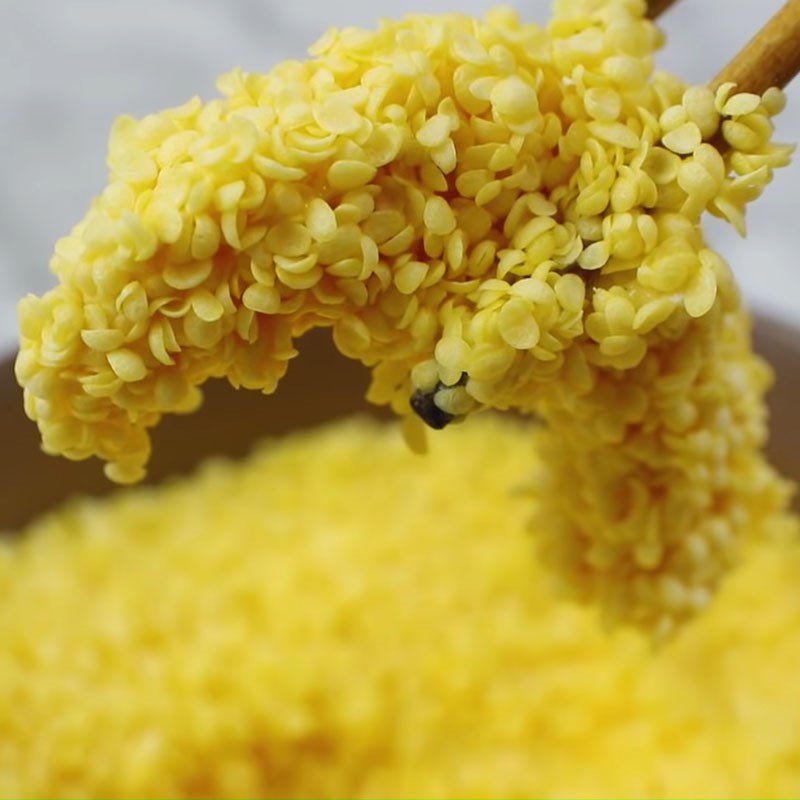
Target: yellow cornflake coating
(517, 207)
(225, 637)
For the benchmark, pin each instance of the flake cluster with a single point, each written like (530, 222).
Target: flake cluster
(179, 642)
(486, 213)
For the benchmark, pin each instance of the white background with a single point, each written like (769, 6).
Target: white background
(68, 67)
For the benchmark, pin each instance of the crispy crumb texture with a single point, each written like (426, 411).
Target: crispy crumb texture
(225, 637)
(488, 214)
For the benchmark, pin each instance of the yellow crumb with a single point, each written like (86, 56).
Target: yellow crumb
(511, 212)
(338, 617)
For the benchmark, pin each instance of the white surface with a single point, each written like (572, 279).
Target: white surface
(68, 67)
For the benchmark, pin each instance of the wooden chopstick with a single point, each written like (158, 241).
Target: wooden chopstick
(770, 58)
(655, 8)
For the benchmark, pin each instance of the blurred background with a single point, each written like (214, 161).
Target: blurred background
(69, 67)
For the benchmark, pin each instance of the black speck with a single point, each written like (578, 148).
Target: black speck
(425, 408)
